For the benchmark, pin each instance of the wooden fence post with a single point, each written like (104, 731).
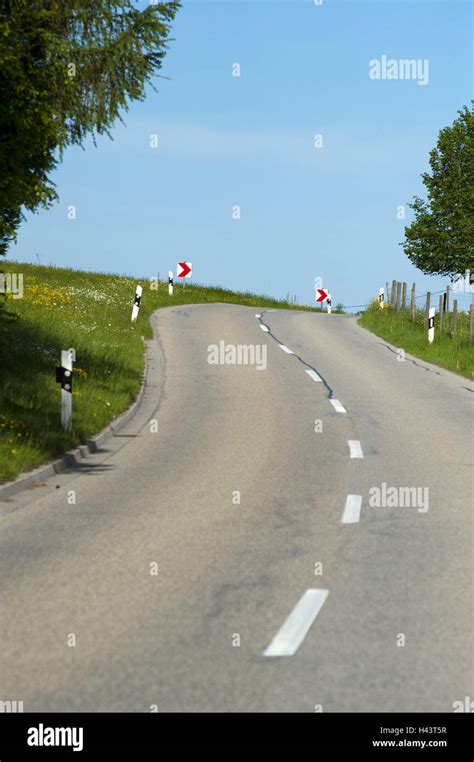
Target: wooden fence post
(387, 292)
(440, 312)
(455, 318)
(413, 303)
(399, 288)
(404, 296)
(427, 306)
(471, 323)
(392, 296)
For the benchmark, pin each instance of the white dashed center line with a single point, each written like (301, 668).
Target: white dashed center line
(351, 513)
(312, 374)
(285, 349)
(258, 316)
(355, 448)
(337, 406)
(264, 328)
(289, 638)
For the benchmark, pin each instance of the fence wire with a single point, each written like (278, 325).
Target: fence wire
(458, 295)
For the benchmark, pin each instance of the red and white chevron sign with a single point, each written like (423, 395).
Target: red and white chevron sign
(184, 269)
(321, 295)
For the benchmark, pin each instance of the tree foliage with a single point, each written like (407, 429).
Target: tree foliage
(68, 69)
(440, 240)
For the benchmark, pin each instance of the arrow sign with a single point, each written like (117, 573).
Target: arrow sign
(323, 295)
(184, 269)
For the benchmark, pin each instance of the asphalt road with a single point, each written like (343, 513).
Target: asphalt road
(240, 502)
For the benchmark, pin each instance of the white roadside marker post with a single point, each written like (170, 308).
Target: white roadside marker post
(329, 303)
(431, 319)
(64, 377)
(170, 282)
(381, 298)
(136, 303)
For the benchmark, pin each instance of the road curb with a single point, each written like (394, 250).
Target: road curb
(73, 458)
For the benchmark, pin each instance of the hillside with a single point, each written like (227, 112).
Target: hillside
(451, 349)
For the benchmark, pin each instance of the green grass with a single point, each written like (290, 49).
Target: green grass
(448, 351)
(91, 312)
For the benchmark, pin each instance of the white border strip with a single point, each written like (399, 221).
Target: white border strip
(289, 638)
(312, 374)
(352, 508)
(285, 349)
(337, 406)
(264, 328)
(355, 448)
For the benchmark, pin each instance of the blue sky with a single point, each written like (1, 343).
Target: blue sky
(306, 212)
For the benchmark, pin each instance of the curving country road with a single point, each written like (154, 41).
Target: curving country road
(236, 559)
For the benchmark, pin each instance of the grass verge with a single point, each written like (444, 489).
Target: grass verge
(63, 308)
(447, 350)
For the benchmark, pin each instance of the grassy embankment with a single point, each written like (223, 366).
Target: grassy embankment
(448, 351)
(91, 312)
